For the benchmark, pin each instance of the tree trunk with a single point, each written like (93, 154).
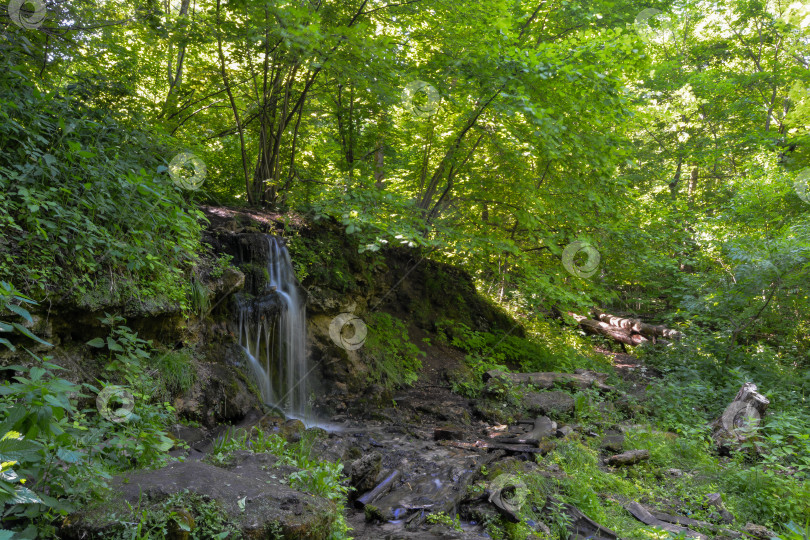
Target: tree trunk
(616, 333)
(649, 331)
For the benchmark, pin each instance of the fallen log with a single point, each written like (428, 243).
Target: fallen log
(628, 458)
(578, 523)
(689, 522)
(517, 448)
(616, 333)
(381, 489)
(546, 380)
(649, 331)
(641, 514)
(742, 414)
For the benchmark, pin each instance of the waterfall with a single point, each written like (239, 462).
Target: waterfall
(276, 346)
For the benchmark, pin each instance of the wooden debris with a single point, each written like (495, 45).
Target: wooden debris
(649, 331)
(743, 413)
(545, 380)
(579, 523)
(516, 448)
(689, 522)
(630, 457)
(616, 333)
(644, 516)
(381, 489)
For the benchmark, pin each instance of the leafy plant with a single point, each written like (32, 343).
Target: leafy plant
(393, 357)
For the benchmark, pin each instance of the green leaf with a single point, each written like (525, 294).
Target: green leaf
(19, 450)
(26, 332)
(68, 456)
(23, 495)
(113, 345)
(21, 311)
(96, 342)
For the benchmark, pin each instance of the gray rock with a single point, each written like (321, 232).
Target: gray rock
(613, 440)
(758, 531)
(364, 471)
(250, 493)
(553, 404)
(564, 431)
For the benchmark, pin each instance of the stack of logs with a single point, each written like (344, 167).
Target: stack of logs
(624, 330)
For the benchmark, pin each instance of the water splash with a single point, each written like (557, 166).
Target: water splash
(276, 346)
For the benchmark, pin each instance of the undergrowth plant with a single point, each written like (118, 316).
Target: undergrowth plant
(55, 455)
(394, 360)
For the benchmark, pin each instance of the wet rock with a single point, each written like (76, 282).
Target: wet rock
(554, 404)
(613, 440)
(292, 430)
(220, 394)
(448, 433)
(363, 472)
(266, 503)
(675, 473)
(758, 531)
(190, 435)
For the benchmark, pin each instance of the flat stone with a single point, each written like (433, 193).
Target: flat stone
(266, 503)
(613, 440)
(758, 531)
(554, 403)
(564, 431)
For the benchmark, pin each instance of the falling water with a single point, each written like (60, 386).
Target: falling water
(276, 346)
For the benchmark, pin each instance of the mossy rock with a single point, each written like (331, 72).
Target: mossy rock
(250, 495)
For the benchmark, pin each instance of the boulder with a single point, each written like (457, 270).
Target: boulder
(613, 440)
(364, 472)
(250, 493)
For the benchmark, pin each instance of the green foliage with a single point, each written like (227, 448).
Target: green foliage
(63, 453)
(442, 518)
(181, 512)
(176, 371)
(393, 357)
(200, 301)
(13, 301)
(85, 204)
